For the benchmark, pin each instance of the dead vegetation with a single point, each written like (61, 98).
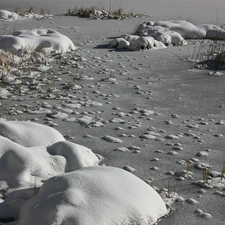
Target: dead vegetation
(210, 53)
(94, 12)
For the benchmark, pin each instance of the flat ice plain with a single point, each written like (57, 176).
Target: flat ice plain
(152, 113)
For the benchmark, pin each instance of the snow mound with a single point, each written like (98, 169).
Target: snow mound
(29, 134)
(186, 29)
(77, 156)
(156, 35)
(7, 15)
(23, 41)
(94, 195)
(28, 157)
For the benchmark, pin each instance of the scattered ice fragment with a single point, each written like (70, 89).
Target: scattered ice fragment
(191, 201)
(121, 149)
(4, 94)
(132, 147)
(200, 165)
(171, 136)
(129, 169)
(206, 215)
(154, 168)
(172, 153)
(203, 153)
(112, 139)
(58, 115)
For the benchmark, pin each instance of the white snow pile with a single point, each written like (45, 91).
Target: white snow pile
(89, 196)
(23, 41)
(47, 180)
(29, 134)
(6, 15)
(31, 153)
(155, 35)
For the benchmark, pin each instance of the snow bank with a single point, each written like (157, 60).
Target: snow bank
(29, 134)
(10, 16)
(94, 195)
(155, 35)
(75, 190)
(7, 15)
(186, 29)
(31, 153)
(23, 41)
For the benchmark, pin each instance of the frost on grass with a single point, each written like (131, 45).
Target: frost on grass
(156, 35)
(31, 153)
(93, 195)
(23, 41)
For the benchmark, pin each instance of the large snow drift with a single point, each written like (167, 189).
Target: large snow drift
(155, 35)
(94, 195)
(75, 190)
(35, 40)
(31, 153)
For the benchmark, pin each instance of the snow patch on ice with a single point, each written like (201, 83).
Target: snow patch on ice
(159, 34)
(6, 15)
(31, 153)
(35, 40)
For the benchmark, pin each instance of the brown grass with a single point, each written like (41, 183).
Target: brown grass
(209, 52)
(223, 171)
(95, 12)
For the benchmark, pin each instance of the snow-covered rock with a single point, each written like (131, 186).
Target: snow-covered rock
(93, 195)
(186, 29)
(29, 134)
(23, 41)
(77, 156)
(31, 153)
(25, 167)
(159, 34)
(7, 15)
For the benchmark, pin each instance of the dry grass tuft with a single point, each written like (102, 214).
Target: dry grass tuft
(205, 173)
(31, 10)
(171, 188)
(223, 171)
(209, 52)
(95, 12)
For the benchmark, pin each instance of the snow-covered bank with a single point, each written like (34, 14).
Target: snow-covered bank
(29, 41)
(156, 35)
(153, 114)
(6, 15)
(27, 160)
(31, 153)
(95, 195)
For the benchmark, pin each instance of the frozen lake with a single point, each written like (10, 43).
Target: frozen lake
(197, 11)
